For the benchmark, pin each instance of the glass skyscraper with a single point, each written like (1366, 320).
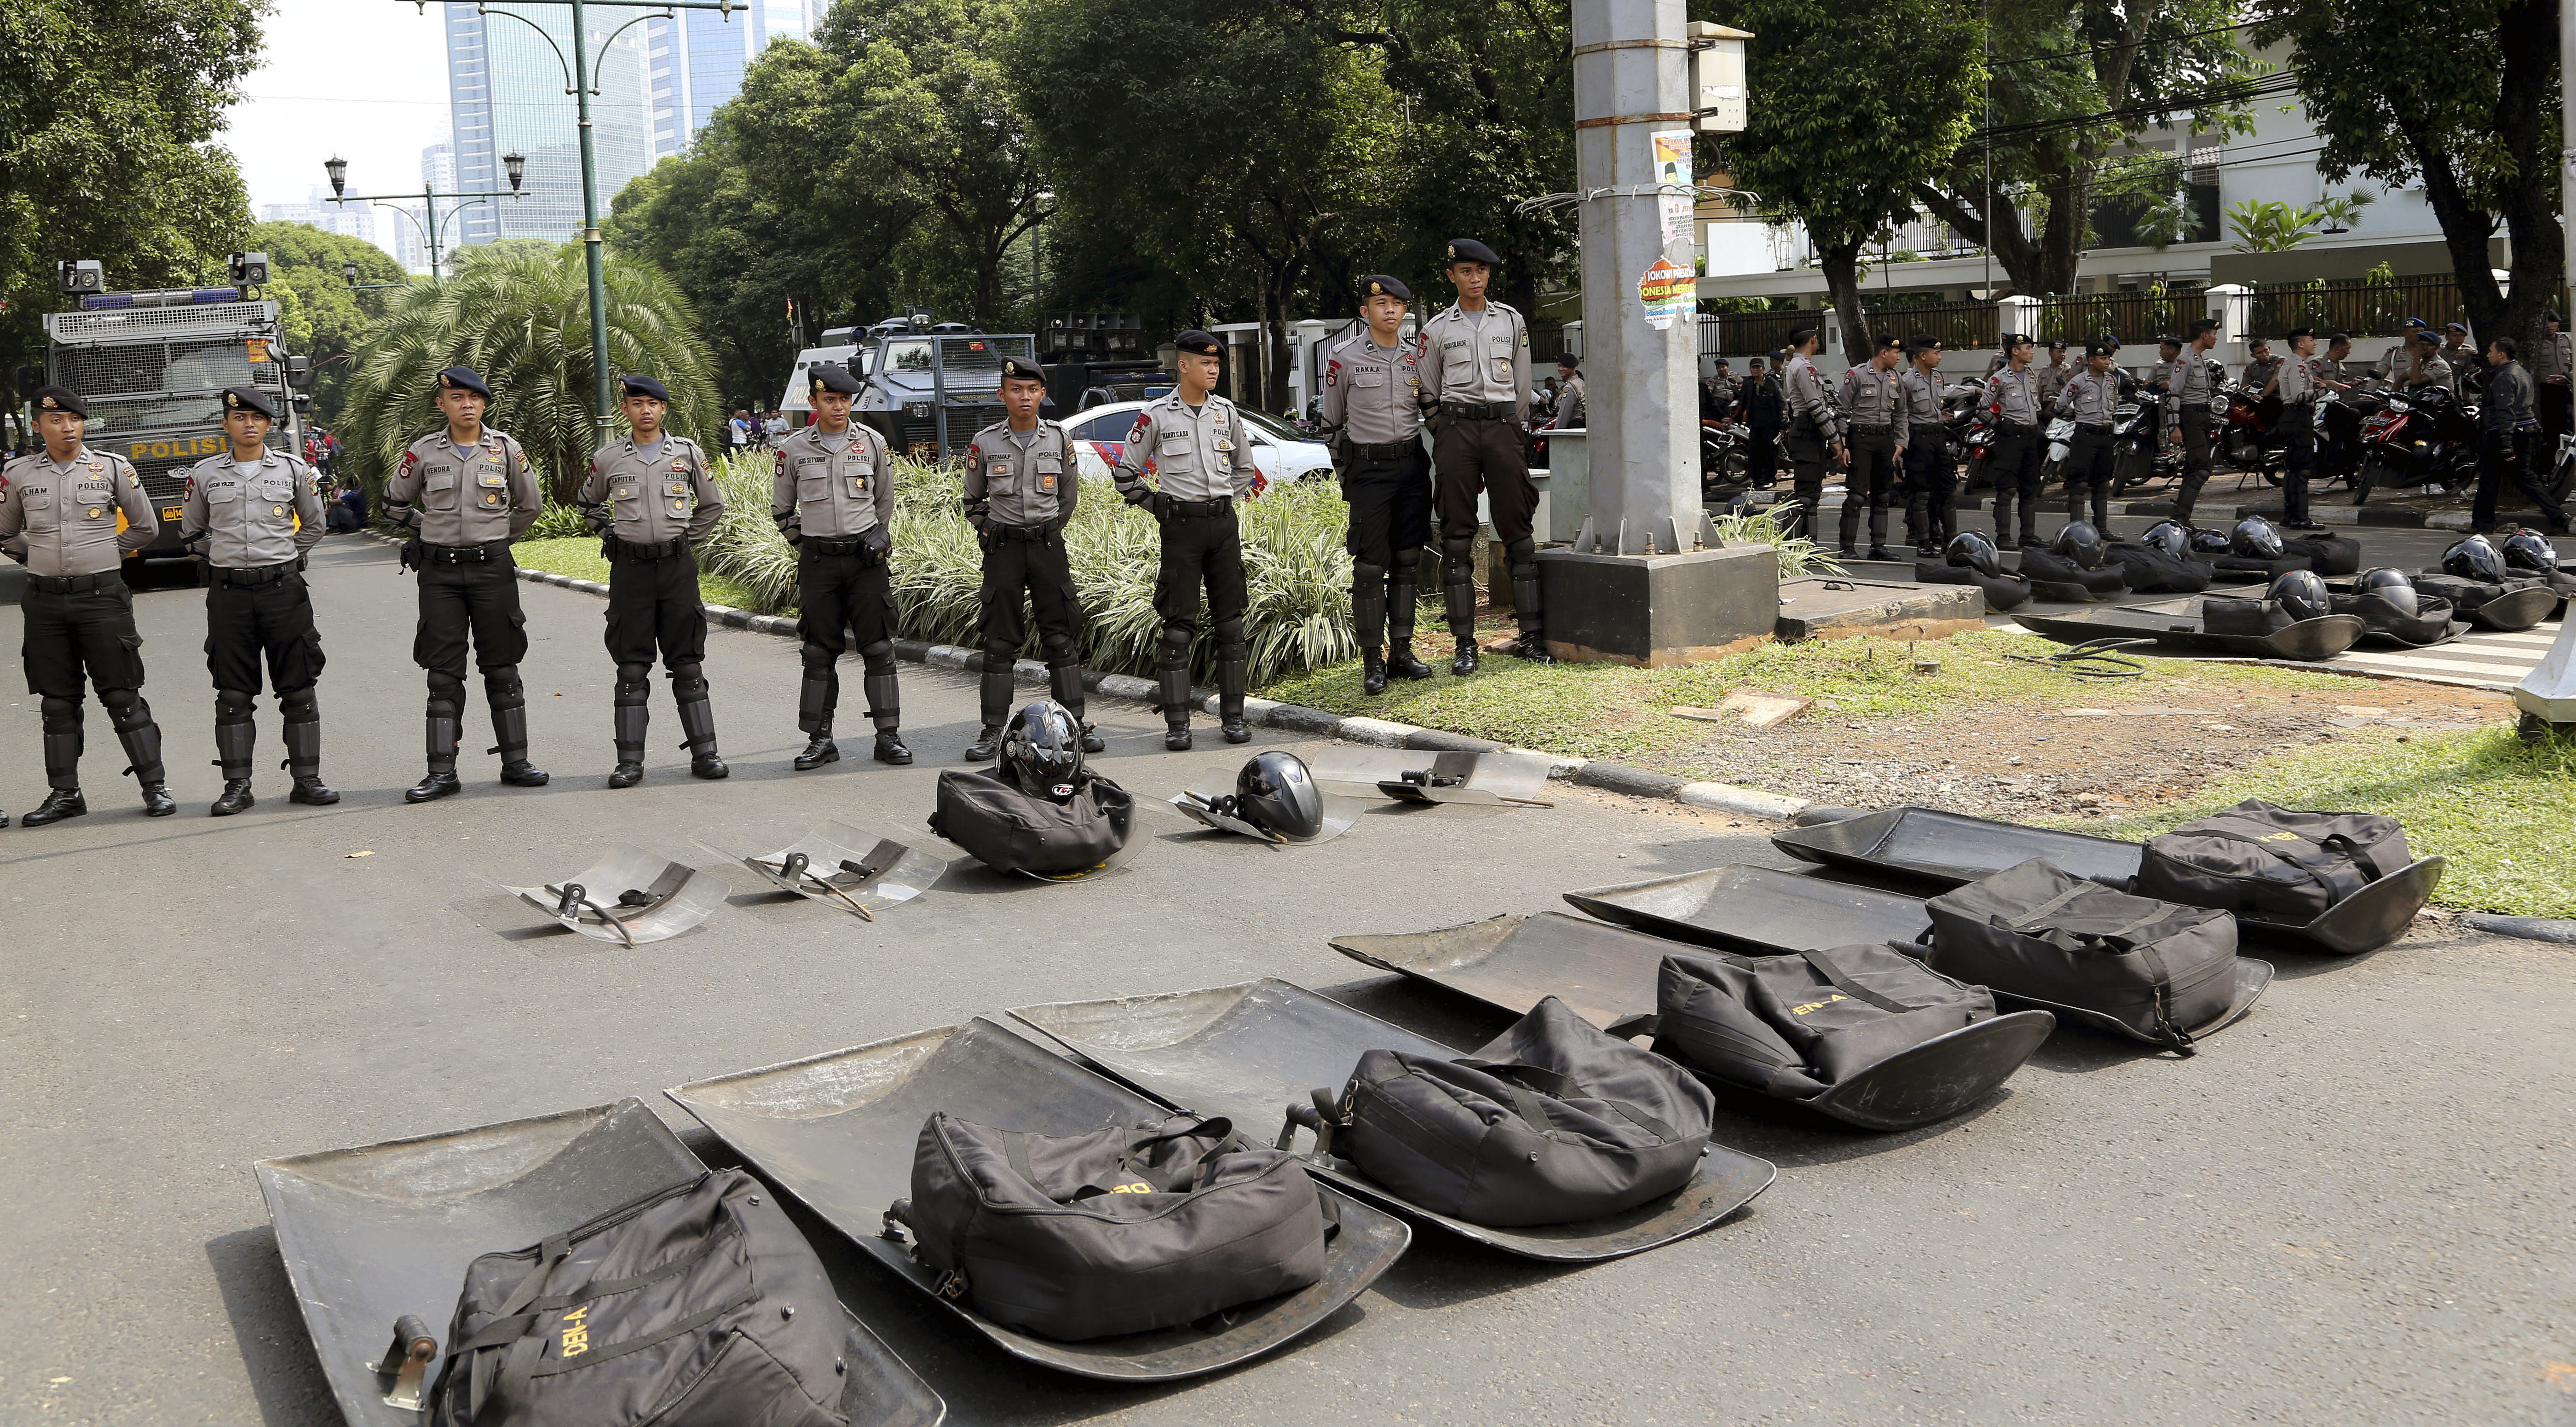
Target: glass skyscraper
(507, 92)
(696, 61)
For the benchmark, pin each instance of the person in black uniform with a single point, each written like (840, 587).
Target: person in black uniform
(1022, 484)
(59, 507)
(650, 501)
(1759, 406)
(465, 494)
(253, 514)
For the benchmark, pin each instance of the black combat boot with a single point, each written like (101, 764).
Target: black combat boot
(1233, 681)
(1372, 672)
(630, 721)
(1174, 698)
(993, 695)
(235, 738)
(887, 714)
(819, 750)
(304, 749)
(59, 803)
(1065, 682)
(440, 781)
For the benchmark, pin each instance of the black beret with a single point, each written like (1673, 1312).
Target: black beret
(1468, 250)
(464, 379)
(1381, 285)
(2100, 347)
(1889, 342)
(1197, 343)
(1017, 369)
(249, 398)
(2168, 340)
(644, 386)
(831, 376)
(2016, 339)
(60, 398)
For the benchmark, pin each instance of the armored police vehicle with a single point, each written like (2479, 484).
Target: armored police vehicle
(927, 387)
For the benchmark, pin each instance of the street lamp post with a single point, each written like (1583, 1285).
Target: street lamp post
(429, 222)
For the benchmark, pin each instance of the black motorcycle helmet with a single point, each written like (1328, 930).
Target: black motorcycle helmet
(2531, 550)
(2170, 536)
(2302, 594)
(2393, 586)
(1277, 794)
(2079, 542)
(1975, 551)
(1042, 752)
(2212, 543)
(2474, 559)
(2256, 539)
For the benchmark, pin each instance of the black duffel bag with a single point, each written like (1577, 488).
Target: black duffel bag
(1011, 830)
(1796, 1026)
(700, 1306)
(2226, 614)
(2148, 570)
(1117, 1231)
(2157, 968)
(2271, 863)
(1554, 1122)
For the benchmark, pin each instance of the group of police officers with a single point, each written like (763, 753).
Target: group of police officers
(465, 493)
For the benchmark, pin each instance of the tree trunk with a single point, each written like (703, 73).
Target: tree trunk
(2528, 35)
(2002, 236)
(1841, 262)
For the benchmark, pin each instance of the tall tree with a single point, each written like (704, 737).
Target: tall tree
(2468, 108)
(321, 317)
(1857, 108)
(108, 114)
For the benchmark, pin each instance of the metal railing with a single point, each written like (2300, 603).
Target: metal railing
(2356, 306)
(2134, 317)
(1740, 332)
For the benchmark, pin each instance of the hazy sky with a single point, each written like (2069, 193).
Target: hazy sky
(365, 79)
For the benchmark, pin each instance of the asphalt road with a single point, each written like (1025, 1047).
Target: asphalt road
(2353, 1207)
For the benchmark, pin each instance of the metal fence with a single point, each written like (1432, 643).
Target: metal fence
(1736, 332)
(2133, 317)
(1957, 324)
(2357, 306)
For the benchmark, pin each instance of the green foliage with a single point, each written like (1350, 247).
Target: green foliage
(108, 114)
(321, 317)
(2260, 226)
(575, 552)
(521, 317)
(1799, 555)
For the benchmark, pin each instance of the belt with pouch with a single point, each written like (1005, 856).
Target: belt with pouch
(1202, 509)
(461, 554)
(2093, 428)
(816, 545)
(76, 584)
(637, 550)
(1482, 410)
(1037, 534)
(1382, 450)
(253, 575)
(2013, 428)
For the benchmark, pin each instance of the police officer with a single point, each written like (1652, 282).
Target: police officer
(1874, 406)
(1022, 483)
(2552, 365)
(253, 514)
(2194, 383)
(2014, 402)
(1373, 401)
(2506, 428)
(833, 498)
(1758, 406)
(58, 516)
(2295, 382)
(2090, 397)
(1202, 459)
(1475, 372)
(465, 493)
(1814, 436)
(2054, 377)
(650, 501)
(1929, 519)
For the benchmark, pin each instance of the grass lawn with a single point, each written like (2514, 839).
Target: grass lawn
(578, 556)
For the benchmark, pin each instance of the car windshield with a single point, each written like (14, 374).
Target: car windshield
(1112, 427)
(910, 355)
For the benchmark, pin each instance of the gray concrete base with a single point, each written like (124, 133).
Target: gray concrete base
(1816, 608)
(1658, 610)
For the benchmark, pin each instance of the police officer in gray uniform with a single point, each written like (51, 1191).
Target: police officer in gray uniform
(1476, 382)
(253, 514)
(833, 499)
(1373, 407)
(1929, 519)
(2091, 397)
(58, 510)
(2295, 381)
(1202, 459)
(650, 501)
(1874, 405)
(1815, 433)
(2194, 382)
(2013, 400)
(1022, 484)
(465, 494)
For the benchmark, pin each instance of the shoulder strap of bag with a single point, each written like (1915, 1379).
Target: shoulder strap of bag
(2035, 915)
(2316, 857)
(1840, 981)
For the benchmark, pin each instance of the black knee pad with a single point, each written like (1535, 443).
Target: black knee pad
(1229, 639)
(688, 681)
(818, 659)
(1176, 642)
(300, 706)
(502, 687)
(1406, 563)
(1457, 561)
(1366, 577)
(637, 674)
(878, 657)
(1059, 650)
(233, 706)
(125, 707)
(998, 655)
(443, 685)
(60, 715)
(1522, 557)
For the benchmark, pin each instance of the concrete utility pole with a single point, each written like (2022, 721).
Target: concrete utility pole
(2566, 150)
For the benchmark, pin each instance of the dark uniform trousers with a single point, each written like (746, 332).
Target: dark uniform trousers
(1806, 446)
(1474, 453)
(2195, 460)
(653, 606)
(67, 634)
(1761, 457)
(1389, 491)
(1929, 482)
(2507, 456)
(272, 618)
(480, 598)
(1870, 482)
(1202, 546)
(2089, 461)
(1029, 559)
(2298, 428)
(844, 592)
(2016, 471)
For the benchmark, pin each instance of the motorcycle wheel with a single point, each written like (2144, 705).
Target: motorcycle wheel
(1737, 463)
(2365, 479)
(2565, 478)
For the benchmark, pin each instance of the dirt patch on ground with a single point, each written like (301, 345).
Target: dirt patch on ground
(2110, 756)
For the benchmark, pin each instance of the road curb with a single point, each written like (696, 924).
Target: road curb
(2548, 929)
(1289, 718)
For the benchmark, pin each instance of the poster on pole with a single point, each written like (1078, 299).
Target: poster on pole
(1673, 180)
(1666, 292)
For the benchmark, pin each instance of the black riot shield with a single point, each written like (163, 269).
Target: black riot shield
(838, 1131)
(1414, 777)
(629, 897)
(1757, 911)
(1204, 807)
(1251, 1052)
(381, 1235)
(2177, 627)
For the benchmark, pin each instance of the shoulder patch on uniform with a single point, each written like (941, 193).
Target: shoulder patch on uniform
(1137, 431)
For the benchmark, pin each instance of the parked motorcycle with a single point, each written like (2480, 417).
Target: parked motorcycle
(2419, 437)
(2138, 452)
(1725, 454)
(2253, 440)
(2061, 439)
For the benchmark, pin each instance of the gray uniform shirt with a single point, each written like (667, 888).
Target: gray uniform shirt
(2014, 396)
(1373, 393)
(2195, 379)
(2436, 372)
(2555, 357)
(1022, 477)
(1806, 395)
(1198, 453)
(1871, 399)
(61, 520)
(1485, 361)
(832, 494)
(266, 515)
(1920, 394)
(471, 497)
(2296, 381)
(2054, 377)
(2089, 399)
(651, 499)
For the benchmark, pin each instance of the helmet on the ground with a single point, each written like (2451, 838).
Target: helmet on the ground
(2531, 550)
(2170, 536)
(2079, 542)
(2212, 543)
(2474, 559)
(1973, 550)
(2256, 539)
(1276, 793)
(2302, 594)
(1042, 752)
(2393, 586)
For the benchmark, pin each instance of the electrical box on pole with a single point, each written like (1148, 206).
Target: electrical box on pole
(1717, 78)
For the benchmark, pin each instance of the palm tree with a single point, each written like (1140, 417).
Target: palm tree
(520, 314)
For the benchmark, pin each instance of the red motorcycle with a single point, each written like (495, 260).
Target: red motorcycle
(2251, 435)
